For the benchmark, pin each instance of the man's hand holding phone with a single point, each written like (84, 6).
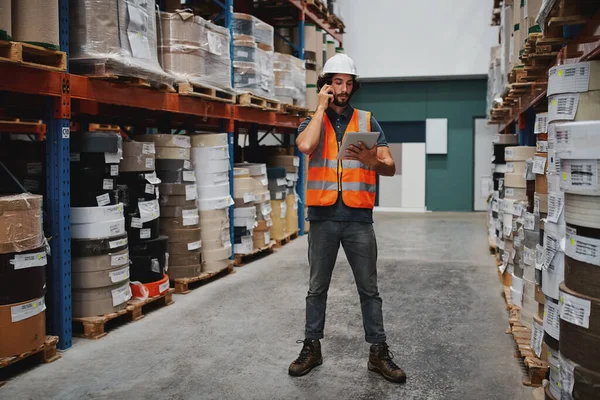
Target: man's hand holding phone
(325, 96)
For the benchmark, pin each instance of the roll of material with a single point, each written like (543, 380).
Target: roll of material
(97, 247)
(499, 150)
(541, 184)
(172, 153)
(101, 229)
(211, 179)
(216, 255)
(577, 140)
(100, 263)
(244, 213)
(574, 107)
(5, 17)
(177, 176)
(209, 140)
(189, 191)
(22, 327)
(96, 161)
(245, 51)
(185, 259)
(97, 142)
(99, 279)
(184, 271)
(173, 165)
(542, 201)
(219, 190)
(253, 169)
(585, 382)
(175, 201)
(215, 204)
(22, 276)
(515, 180)
(20, 223)
(276, 173)
(209, 166)
(154, 288)
(215, 240)
(580, 345)
(176, 248)
(137, 164)
(182, 235)
(147, 269)
(582, 277)
(506, 139)
(515, 193)
(100, 301)
(215, 265)
(241, 172)
(242, 187)
(176, 212)
(519, 153)
(88, 215)
(207, 155)
(514, 167)
(148, 231)
(135, 149)
(208, 217)
(553, 276)
(290, 163)
(36, 22)
(582, 211)
(188, 222)
(580, 177)
(166, 140)
(81, 197)
(243, 26)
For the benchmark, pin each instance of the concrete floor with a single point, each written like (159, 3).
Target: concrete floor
(234, 338)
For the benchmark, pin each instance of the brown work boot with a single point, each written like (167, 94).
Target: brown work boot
(310, 357)
(380, 361)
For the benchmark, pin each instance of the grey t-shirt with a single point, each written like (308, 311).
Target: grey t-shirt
(339, 211)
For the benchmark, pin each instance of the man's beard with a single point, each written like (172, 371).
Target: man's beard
(340, 103)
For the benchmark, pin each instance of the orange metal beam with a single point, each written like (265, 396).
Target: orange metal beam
(267, 118)
(22, 79)
(22, 127)
(301, 5)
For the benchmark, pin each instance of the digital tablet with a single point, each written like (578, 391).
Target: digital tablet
(368, 138)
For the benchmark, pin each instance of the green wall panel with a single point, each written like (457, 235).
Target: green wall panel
(449, 185)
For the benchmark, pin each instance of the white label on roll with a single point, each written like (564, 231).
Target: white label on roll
(219, 153)
(119, 259)
(283, 210)
(553, 162)
(580, 174)
(279, 196)
(264, 181)
(121, 295)
(569, 78)
(182, 153)
(112, 158)
(107, 184)
(214, 43)
(246, 240)
(149, 210)
(575, 310)
(194, 245)
(114, 170)
(182, 141)
(509, 153)
(241, 53)
(187, 165)
(517, 210)
(551, 246)
(582, 248)
(191, 192)
(149, 163)
(116, 229)
(567, 376)
(536, 205)
(296, 162)
(145, 233)
(267, 237)
(502, 245)
(163, 287)
(22, 261)
(34, 168)
(248, 197)
(542, 146)
(513, 254)
(155, 265)
(27, 310)
(220, 177)
(118, 243)
(555, 205)
(187, 221)
(156, 192)
(152, 178)
(502, 267)
(149, 188)
(189, 213)
(119, 275)
(148, 148)
(189, 176)
(250, 224)
(494, 204)
(103, 199)
(552, 319)
(281, 181)
(75, 157)
(136, 222)
(563, 106)
(528, 256)
(269, 223)
(529, 221)
(293, 177)
(510, 192)
(510, 167)
(539, 256)
(541, 123)
(536, 338)
(539, 165)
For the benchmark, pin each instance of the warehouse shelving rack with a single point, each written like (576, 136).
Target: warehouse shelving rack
(63, 96)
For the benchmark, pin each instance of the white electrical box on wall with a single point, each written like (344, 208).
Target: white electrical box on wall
(436, 135)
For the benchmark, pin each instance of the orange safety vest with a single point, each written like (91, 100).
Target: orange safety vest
(327, 176)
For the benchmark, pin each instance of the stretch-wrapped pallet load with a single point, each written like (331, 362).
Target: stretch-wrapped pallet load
(210, 159)
(27, 162)
(22, 274)
(180, 223)
(290, 79)
(117, 37)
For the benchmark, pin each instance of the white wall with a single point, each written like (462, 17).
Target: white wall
(419, 38)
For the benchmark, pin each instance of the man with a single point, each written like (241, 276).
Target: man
(341, 197)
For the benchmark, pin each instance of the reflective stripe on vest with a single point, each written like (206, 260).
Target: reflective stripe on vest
(327, 176)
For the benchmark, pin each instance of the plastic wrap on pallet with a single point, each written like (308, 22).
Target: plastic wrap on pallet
(290, 79)
(116, 38)
(195, 50)
(243, 26)
(264, 35)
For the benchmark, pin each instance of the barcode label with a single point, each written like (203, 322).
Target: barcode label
(112, 158)
(119, 275)
(556, 202)
(509, 153)
(182, 141)
(551, 246)
(103, 199)
(579, 175)
(528, 256)
(249, 197)
(542, 146)
(148, 148)
(191, 192)
(552, 319)
(510, 192)
(114, 170)
(149, 163)
(189, 176)
(553, 162)
(582, 248)
(563, 106)
(145, 233)
(539, 165)
(117, 243)
(116, 229)
(75, 157)
(194, 245)
(541, 123)
(536, 338)
(182, 153)
(189, 213)
(575, 310)
(536, 205)
(517, 210)
(121, 295)
(569, 78)
(163, 286)
(136, 222)
(152, 178)
(529, 221)
(494, 202)
(188, 221)
(27, 310)
(22, 261)
(119, 259)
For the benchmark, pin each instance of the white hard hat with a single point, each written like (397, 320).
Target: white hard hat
(340, 64)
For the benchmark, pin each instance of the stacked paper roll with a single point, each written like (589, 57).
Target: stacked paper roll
(35, 22)
(244, 224)
(291, 164)
(22, 274)
(5, 17)
(210, 158)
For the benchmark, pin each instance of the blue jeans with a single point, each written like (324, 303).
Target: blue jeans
(360, 246)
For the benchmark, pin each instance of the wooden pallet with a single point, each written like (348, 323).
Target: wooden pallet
(242, 259)
(33, 56)
(95, 327)
(296, 111)
(254, 101)
(336, 22)
(46, 353)
(205, 92)
(535, 370)
(182, 285)
(289, 237)
(319, 7)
